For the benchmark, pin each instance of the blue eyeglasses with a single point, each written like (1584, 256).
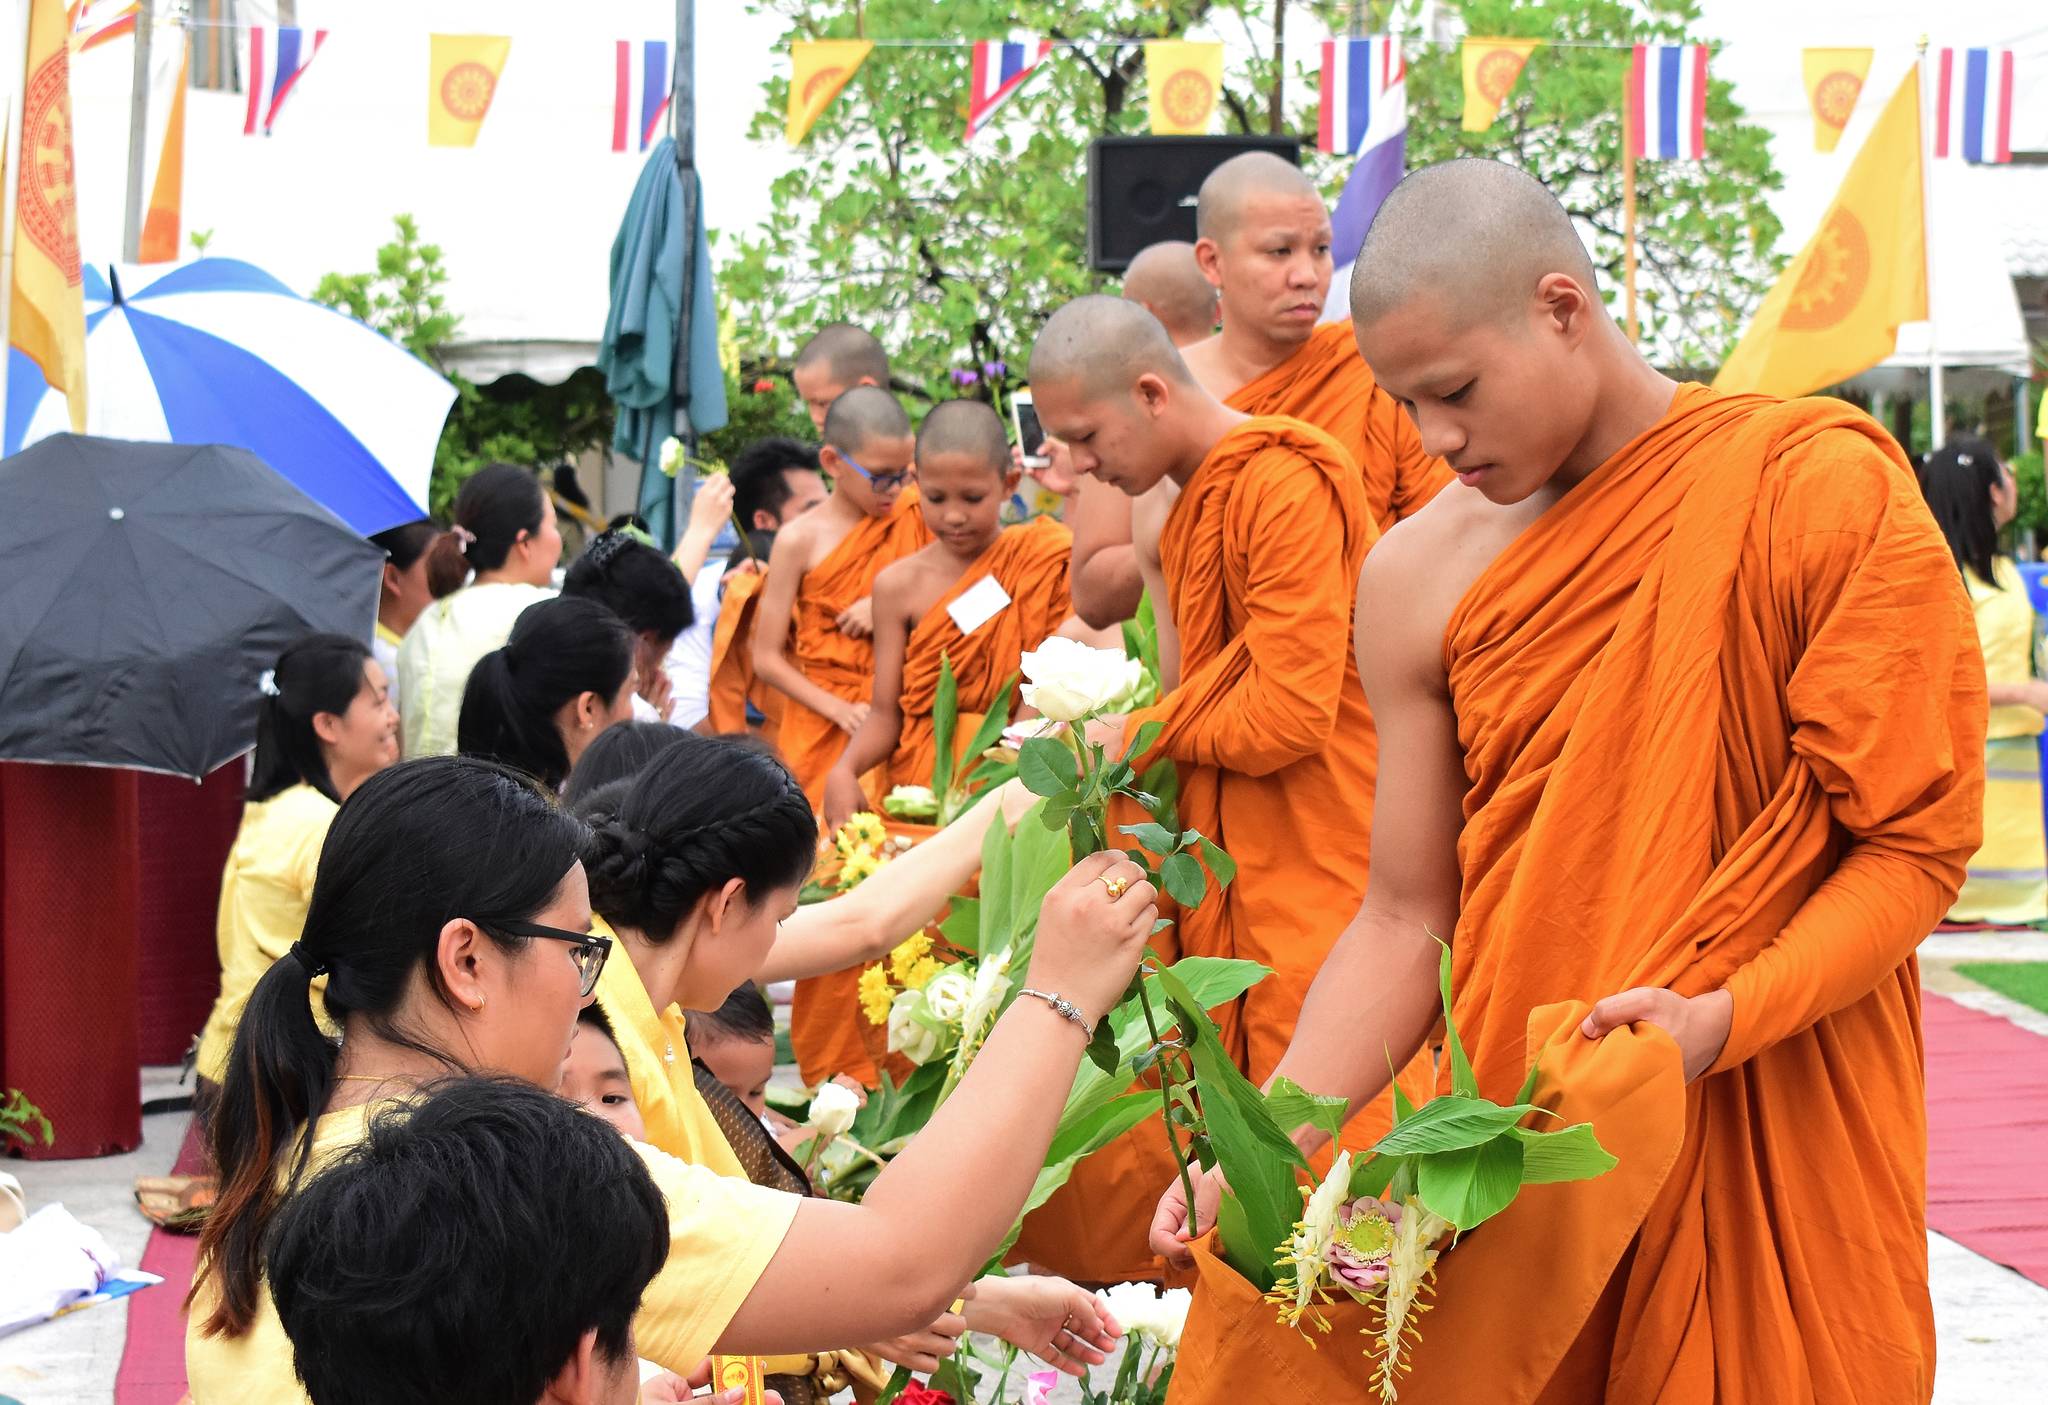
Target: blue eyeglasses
(880, 482)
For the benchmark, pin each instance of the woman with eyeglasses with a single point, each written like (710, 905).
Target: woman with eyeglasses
(564, 676)
(451, 916)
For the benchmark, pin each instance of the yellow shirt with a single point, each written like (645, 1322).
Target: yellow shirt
(722, 1233)
(264, 892)
(658, 1066)
(441, 648)
(2005, 630)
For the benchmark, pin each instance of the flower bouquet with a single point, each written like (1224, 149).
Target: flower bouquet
(860, 848)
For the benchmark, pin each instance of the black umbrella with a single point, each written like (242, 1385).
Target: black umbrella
(146, 589)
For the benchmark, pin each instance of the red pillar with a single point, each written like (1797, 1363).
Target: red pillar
(185, 833)
(68, 953)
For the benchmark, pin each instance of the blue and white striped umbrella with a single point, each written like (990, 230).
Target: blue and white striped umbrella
(219, 352)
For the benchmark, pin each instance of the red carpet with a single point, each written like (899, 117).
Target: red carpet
(1987, 1134)
(153, 1365)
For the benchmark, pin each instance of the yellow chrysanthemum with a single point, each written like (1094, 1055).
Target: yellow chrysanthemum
(875, 994)
(858, 868)
(920, 973)
(907, 954)
(866, 828)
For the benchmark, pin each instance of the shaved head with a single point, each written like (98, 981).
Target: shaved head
(1222, 199)
(847, 354)
(1168, 281)
(968, 428)
(1478, 235)
(1102, 345)
(862, 415)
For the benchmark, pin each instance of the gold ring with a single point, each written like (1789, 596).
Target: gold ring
(1116, 886)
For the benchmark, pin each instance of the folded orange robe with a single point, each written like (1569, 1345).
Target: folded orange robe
(1261, 555)
(1723, 710)
(1030, 562)
(823, 1014)
(733, 684)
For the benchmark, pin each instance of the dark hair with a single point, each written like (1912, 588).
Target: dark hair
(407, 542)
(757, 471)
(559, 650)
(637, 583)
(744, 1017)
(618, 753)
(495, 505)
(697, 817)
(1957, 480)
(413, 848)
(458, 1254)
(320, 673)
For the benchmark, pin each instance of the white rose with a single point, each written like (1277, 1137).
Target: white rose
(1169, 1316)
(911, 802)
(909, 1036)
(1143, 1313)
(671, 455)
(1069, 681)
(832, 1110)
(948, 995)
(991, 984)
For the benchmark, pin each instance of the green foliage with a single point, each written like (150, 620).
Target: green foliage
(1706, 234)
(759, 404)
(957, 784)
(516, 420)
(22, 1121)
(2033, 506)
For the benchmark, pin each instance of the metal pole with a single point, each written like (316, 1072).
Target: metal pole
(1937, 398)
(16, 65)
(138, 136)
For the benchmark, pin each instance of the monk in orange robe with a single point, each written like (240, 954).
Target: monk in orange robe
(1683, 705)
(978, 597)
(734, 686)
(775, 481)
(822, 572)
(1261, 553)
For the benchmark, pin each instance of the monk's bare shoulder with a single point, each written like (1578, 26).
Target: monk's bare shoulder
(909, 586)
(1416, 574)
(1205, 360)
(796, 546)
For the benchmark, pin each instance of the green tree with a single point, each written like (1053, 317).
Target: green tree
(953, 254)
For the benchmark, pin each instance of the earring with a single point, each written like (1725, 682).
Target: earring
(479, 1001)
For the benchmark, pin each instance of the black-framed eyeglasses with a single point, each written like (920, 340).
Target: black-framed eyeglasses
(589, 950)
(880, 482)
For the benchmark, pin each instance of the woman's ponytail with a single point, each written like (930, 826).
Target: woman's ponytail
(559, 650)
(447, 566)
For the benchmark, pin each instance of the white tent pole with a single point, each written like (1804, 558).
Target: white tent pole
(1937, 400)
(16, 58)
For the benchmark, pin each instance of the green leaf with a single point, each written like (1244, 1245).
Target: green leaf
(945, 717)
(1403, 1109)
(1181, 874)
(1220, 863)
(1158, 838)
(1209, 981)
(961, 926)
(1142, 741)
(1572, 1154)
(1102, 1050)
(1234, 1228)
(1462, 1080)
(1371, 1175)
(979, 771)
(1448, 1123)
(1046, 767)
(1473, 1184)
(1293, 1106)
(899, 1381)
(1527, 1092)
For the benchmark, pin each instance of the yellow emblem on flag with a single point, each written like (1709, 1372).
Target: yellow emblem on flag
(818, 69)
(48, 292)
(1836, 309)
(462, 80)
(1834, 80)
(1182, 80)
(1491, 68)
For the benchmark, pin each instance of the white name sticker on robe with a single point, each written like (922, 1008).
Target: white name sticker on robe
(978, 604)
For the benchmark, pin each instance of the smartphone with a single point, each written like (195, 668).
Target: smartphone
(1024, 424)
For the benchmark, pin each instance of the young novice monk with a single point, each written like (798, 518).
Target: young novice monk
(979, 596)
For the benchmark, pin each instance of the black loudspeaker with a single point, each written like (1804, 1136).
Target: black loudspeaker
(1142, 189)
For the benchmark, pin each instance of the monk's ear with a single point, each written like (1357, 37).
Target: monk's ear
(1152, 394)
(1209, 258)
(1565, 308)
(1013, 474)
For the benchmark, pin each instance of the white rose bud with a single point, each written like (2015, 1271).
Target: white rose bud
(832, 1110)
(1070, 681)
(948, 995)
(671, 455)
(907, 1035)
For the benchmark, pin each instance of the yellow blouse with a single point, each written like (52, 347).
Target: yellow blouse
(722, 1233)
(264, 893)
(2005, 630)
(658, 1065)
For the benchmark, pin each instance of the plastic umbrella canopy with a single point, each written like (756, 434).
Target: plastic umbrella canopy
(148, 587)
(219, 352)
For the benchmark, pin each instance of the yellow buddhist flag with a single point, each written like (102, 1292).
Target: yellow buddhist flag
(1835, 310)
(1834, 80)
(1182, 80)
(1491, 68)
(462, 80)
(818, 69)
(48, 298)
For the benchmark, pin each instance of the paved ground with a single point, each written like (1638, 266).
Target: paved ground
(1992, 1324)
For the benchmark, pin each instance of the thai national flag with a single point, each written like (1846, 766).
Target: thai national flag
(1973, 105)
(1357, 73)
(1001, 67)
(1667, 102)
(642, 70)
(278, 57)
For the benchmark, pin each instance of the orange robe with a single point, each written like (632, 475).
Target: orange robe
(823, 1014)
(733, 684)
(1030, 562)
(1722, 710)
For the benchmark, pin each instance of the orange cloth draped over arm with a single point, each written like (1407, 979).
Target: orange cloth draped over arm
(823, 1018)
(1722, 709)
(1030, 562)
(733, 684)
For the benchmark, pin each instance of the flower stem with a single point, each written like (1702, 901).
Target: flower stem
(1180, 1160)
